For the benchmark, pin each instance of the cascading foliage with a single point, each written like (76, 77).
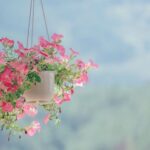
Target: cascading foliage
(19, 70)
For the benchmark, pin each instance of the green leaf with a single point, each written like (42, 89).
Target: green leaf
(18, 93)
(9, 97)
(2, 67)
(26, 86)
(46, 67)
(33, 77)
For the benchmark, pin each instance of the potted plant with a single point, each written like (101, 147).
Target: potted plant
(43, 75)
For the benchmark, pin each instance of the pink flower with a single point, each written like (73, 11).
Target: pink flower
(12, 88)
(57, 100)
(92, 64)
(60, 49)
(73, 52)
(57, 37)
(35, 127)
(31, 131)
(20, 102)
(81, 80)
(20, 116)
(6, 107)
(80, 64)
(72, 91)
(67, 97)
(57, 59)
(44, 43)
(3, 87)
(46, 118)
(20, 45)
(2, 56)
(7, 42)
(20, 53)
(10, 80)
(20, 66)
(37, 49)
(65, 58)
(2, 61)
(6, 78)
(1, 93)
(30, 110)
(8, 84)
(43, 53)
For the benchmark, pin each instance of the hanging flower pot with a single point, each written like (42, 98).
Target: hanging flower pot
(43, 91)
(43, 75)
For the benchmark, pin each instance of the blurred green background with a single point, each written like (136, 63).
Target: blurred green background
(112, 111)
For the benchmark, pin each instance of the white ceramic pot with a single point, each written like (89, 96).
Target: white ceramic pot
(42, 92)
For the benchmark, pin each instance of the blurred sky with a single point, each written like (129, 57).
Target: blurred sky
(114, 33)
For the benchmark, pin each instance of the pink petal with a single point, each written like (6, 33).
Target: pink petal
(30, 110)
(46, 118)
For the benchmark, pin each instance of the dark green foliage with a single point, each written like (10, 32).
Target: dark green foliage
(2, 67)
(33, 77)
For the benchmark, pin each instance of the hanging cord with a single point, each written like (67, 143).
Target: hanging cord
(32, 29)
(30, 33)
(29, 22)
(44, 16)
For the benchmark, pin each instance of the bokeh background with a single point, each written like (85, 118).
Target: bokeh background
(113, 111)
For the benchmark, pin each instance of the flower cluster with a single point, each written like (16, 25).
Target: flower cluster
(19, 70)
